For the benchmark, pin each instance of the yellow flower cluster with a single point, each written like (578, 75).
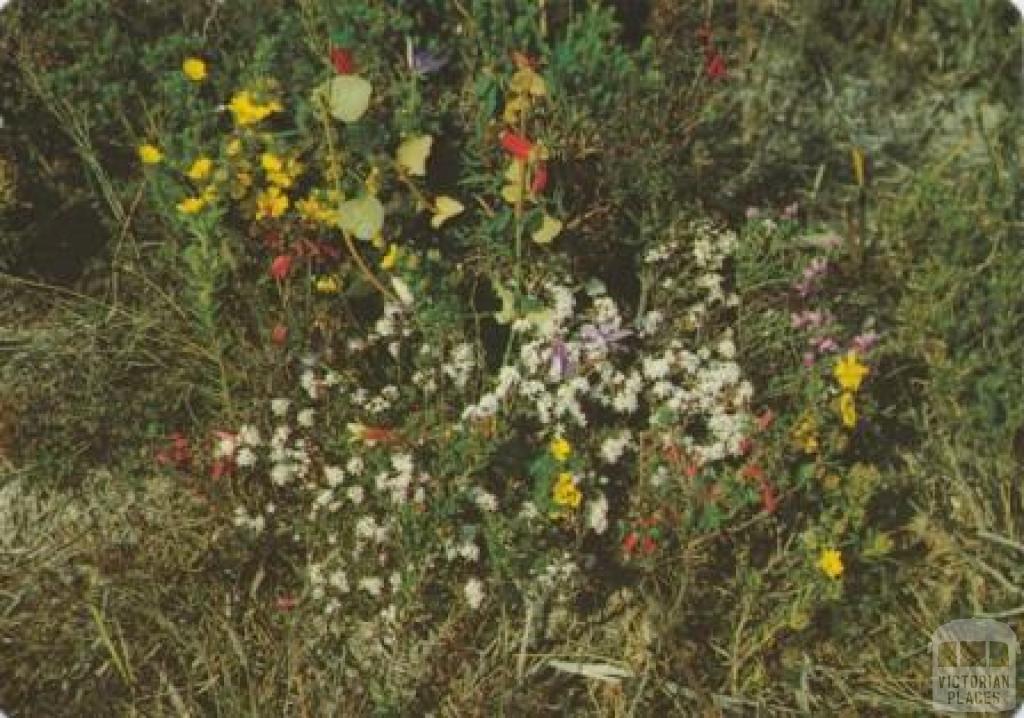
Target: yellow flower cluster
(565, 494)
(849, 372)
(313, 209)
(271, 203)
(194, 69)
(280, 172)
(525, 87)
(247, 111)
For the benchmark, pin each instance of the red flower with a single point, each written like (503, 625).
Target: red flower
(765, 419)
(279, 334)
(343, 60)
(648, 546)
(629, 543)
(516, 145)
(281, 266)
(540, 179)
(746, 445)
(714, 65)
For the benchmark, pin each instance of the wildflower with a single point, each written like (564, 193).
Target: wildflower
(313, 210)
(444, 209)
(412, 155)
(474, 591)
(517, 145)
(150, 154)
(194, 69)
(234, 147)
(279, 334)
(863, 343)
(714, 66)
(422, 61)
(390, 259)
(279, 407)
(526, 81)
(200, 169)
(246, 111)
(560, 448)
(327, 284)
(849, 372)
(597, 515)
(343, 61)
(848, 410)
(281, 266)
(565, 493)
(831, 563)
(191, 205)
(271, 202)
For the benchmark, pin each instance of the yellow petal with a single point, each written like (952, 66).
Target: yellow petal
(549, 229)
(412, 155)
(348, 97)
(362, 217)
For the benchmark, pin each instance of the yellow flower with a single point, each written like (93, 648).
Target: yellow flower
(528, 82)
(234, 147)
(831, 563)
(444, 209)
(848, 409)
(565, 493)
(194, 69)
(271, 163)
(849, 372)
(200, 169)
(805, 434)
(271, 203)
(327, 284)
(389, 259)
(247, 111)
(191, 205)
(560, 448)
(150, 154)
(313, 210)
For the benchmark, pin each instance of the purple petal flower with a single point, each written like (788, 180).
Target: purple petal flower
(423, 61)
(561, 363)
(605, 337)
(863, 343)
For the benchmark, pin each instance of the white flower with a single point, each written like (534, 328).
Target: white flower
(339, 580)
(248, 436)
(372, 585)
(306, 417)
(354, 465)
(469, 551)
(355, 494)
(474, 591)
(597, 514)
(613, 447)
(486, 501)
(282, 474)
(402, 291)
(279, 407)
(335, 475)
(246, 457)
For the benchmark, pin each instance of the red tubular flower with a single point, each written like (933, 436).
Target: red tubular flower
(343, 60)
(279, 334)
(516, 145)
(281, 266)
(648, 546)
(629, 543)
(714, 66)
(540, 179)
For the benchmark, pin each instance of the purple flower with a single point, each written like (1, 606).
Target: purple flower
(422, 61)
(603, 338)
(863, 343)
(826, 344)
(562, 364)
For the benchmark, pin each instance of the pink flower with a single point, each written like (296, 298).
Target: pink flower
(863, 343)
(808, 359)
(281, 266)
